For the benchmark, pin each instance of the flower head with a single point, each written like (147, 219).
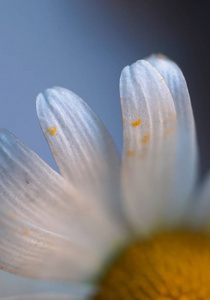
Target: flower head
(135, 227)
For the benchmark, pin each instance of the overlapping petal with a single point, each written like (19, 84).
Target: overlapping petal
(33, 193)
(31, 251)
(187, 154)
(31, 189)
(65, 227)
(150, 144)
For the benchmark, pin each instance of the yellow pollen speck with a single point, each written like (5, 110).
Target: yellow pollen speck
(52, 130)
(123, 120)
(136, 123)
(26, 232)
(54, 152)
(130, 153)
(161, 79)
(168, 266)
(145, 139)
(168, 132)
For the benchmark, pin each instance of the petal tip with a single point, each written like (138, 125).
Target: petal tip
(46, 97)
(4, 133)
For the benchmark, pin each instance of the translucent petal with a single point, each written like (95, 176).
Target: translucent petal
(30, 251)
(187, 154)
(150, 144)
(13, 286)
(40, 297)
(43, 297)
(32, 191)
(82, 147)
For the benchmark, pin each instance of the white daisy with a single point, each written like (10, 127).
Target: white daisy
(133, 228)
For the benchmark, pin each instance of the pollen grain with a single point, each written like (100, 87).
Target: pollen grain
(52, 130)
(136, 123)
(145, 139)
(130, 153)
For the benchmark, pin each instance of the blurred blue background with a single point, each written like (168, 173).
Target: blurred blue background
(83, 45)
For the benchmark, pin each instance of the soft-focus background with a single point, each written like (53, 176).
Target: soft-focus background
(83, 45)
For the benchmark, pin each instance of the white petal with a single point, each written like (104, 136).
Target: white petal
(82, 147)
(150, 142)
(29, 187)
(187, 156)
(48, 296)
(13, 285)
(31, 190)
(41, 297)
(28, 250)
(80, 293)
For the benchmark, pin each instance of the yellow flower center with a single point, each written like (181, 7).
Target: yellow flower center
(168, 266)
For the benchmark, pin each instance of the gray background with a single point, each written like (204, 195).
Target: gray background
(83, 46)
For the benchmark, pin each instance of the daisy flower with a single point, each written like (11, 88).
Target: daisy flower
(136, 228)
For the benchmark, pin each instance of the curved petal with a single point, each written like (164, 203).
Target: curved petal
(187, 155)
(28, 250)
(150, 142)
(82, 147)
(31, 190)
